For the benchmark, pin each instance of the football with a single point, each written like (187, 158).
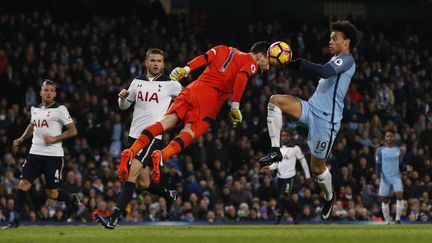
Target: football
(279, 53)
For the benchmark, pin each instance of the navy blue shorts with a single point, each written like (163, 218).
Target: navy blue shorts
(145, 154)
(50, 166)
(285, 185)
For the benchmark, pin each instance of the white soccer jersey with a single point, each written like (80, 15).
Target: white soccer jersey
(152, 99)
(286, 168)
(48, 121)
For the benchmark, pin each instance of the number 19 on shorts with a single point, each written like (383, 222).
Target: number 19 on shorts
(321, 146)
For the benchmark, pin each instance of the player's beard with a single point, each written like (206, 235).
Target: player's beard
(154, 73)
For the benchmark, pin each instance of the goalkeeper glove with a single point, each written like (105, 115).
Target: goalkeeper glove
(235, 114)
(179, 73)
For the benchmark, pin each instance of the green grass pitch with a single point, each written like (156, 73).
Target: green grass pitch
(216, 233)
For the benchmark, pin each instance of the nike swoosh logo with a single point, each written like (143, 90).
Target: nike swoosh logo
(327, 215)
(272, 156)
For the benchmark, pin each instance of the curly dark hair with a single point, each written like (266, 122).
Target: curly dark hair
(348, 29)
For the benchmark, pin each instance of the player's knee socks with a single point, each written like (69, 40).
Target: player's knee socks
(274, 124)
(19, 201)
(283, 206)
(399, 208)
(325, 183)
(64, 196)
(146, 137)
(126, 195)
(177, 144)
(157, 189)
(385, 211)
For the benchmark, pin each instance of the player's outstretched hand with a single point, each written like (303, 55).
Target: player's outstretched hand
(293, 65)
(17, 142)
(124, 93)
(179, 73)
(236, 117)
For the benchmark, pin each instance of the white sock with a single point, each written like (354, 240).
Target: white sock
(386, 211)
(274, 124)
(325, 183)
(399, 208)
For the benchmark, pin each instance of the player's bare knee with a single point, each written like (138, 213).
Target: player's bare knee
(143, 180)
(51, 193)
(133, 175)
(169, 121)
(24, 185)
(143, 184)
(274, 100)
(318, 168)
(399, 195)
(384, 199)
(189, 130)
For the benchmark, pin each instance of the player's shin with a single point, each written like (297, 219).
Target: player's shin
(399, 208)
(274, 124)
(124, 199)
(177, 145)
(146, 137)
(325, 183)
(64, 196)
(157, 189)
(19, 203)
(386, 211)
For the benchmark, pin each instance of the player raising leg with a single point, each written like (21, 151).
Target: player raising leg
(197, 106)
(323, 112)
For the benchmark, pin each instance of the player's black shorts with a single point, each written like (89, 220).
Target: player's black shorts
(50, 166)
(285, 185)
(145, 154)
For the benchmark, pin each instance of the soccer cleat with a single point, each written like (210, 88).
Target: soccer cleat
(75, 205)
(279, 217)
(327, 207)
(157, 162)
(173, 194)
(398, 222)
(107, 223)
(125, 159)
(172, 198)
(274, 156)
(12, 224)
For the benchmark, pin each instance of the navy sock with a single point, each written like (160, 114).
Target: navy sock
(126, 195)
(157, 189)
(64, 196)
(19, 200)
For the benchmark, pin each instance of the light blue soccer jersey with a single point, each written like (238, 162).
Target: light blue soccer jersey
(328, 100)
(390, 159)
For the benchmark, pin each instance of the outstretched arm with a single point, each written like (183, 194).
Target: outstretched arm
(322, 71)
(202, 60)
(199, 61)
(335, 66)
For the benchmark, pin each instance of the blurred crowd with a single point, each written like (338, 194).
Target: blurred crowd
(218, 177)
